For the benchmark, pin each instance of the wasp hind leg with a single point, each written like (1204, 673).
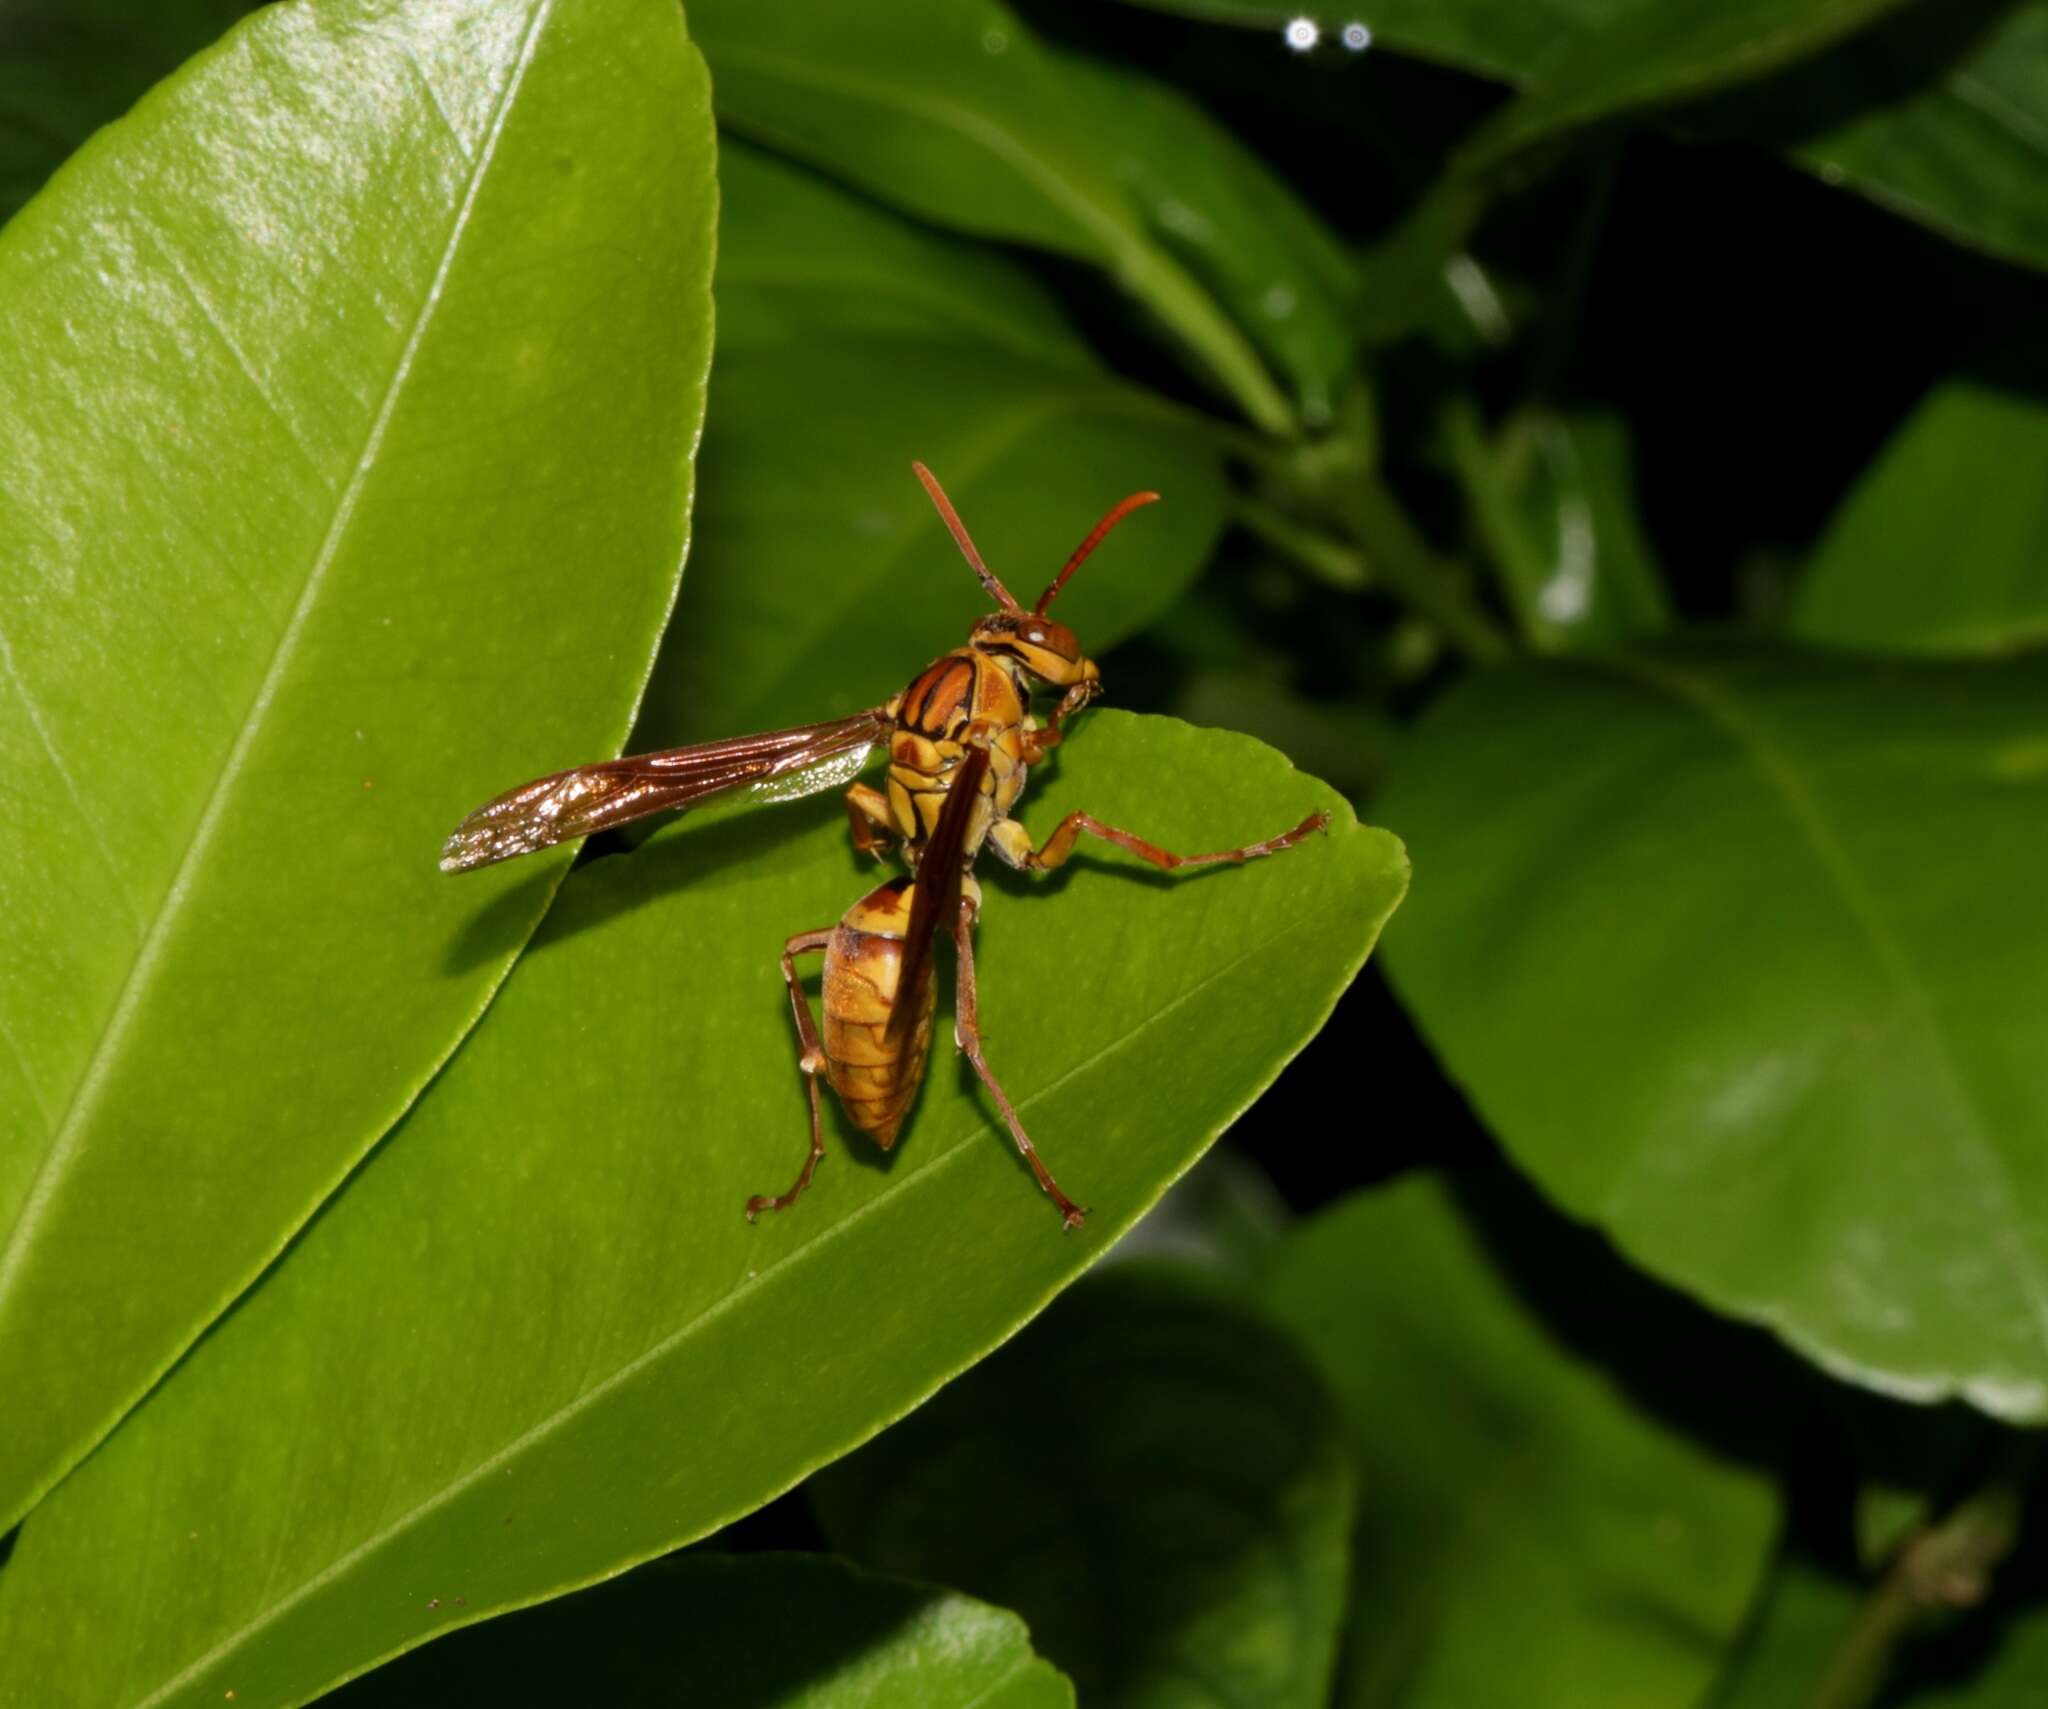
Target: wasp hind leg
(967, 1029)
(1013, 843)
(812, 1062)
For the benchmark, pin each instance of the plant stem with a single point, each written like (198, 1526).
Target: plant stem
(1329, 561)
(1410, 568)
(1522, 570)
(1944, 1566)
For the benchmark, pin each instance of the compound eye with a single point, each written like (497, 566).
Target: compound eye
(1035, 636)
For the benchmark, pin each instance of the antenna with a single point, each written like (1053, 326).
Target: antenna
(951, 517)
(1088, 545)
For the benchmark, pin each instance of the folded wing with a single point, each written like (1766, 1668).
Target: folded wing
(777, 766)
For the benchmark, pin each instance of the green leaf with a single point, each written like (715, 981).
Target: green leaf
(1940, 115)
(1240, 230)
(1940, 548)
(851, 342)
(801, 259)
(69, 66)
(1553, 496)
(534, 1341)
(1646, 56)
(1654, 54)
(767, 1631)
(952, 110)
(1736, 952)
(1152, 1476)
(328, 413)
(1525, 1533)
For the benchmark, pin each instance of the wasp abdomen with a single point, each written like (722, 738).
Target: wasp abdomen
(876, 1075)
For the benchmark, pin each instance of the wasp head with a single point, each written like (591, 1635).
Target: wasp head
(1047, 650)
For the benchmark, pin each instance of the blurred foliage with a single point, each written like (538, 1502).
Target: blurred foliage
(1605, 440)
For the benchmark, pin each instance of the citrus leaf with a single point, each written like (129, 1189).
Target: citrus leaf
(69, 66)
(767, 1631)
(1734, 950)
(1525, 1533)
(819, 566)
(1940, 115)
(1237, 226)
(801, 258)
(534, 1341)
(953, 110)
(1648, 56)
(1553, 494)
(1939, 549)
(328, 412)
(1151, 1475)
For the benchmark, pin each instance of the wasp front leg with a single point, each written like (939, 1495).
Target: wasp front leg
(1039, 741)
(1013, 844)
(967, 1030)
(869, 821)
(811, 1061)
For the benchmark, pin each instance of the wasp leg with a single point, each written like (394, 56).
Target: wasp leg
(1013, 843)
(869, 820)
(812, 1062)
(1040, 741)
(967, 1031)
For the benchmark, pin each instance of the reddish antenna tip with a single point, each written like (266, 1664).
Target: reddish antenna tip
(1122, 509)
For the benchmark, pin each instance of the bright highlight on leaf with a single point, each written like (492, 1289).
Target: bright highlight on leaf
(298, 445)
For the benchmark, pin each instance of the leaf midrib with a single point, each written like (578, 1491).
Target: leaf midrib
(68, 1135)
(566, 1413)
(1717, 705)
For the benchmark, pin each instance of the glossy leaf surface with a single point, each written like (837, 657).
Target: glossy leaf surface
(953, 110)
(1152, 1476)
(821, 578)
(1526, 1532)
(344, 472)
(68, 67)
(1735, 951)
(1940, 548)
(740, 1632)
(534, 1341)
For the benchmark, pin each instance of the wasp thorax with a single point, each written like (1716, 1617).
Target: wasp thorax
(1048, 650)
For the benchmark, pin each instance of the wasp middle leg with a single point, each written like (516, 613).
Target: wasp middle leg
(1013, 843)
(812, 1062)
(967, 1028)
(870, 822)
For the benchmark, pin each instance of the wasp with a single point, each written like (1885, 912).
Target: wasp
(961, 742)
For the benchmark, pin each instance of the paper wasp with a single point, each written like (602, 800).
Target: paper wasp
(961, 743)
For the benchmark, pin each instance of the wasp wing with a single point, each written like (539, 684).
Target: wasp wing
(935, 897)
(777, 766)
